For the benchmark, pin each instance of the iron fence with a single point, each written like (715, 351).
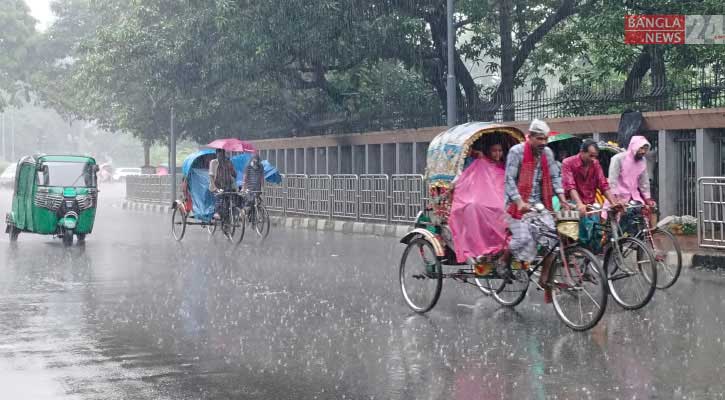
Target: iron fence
(319, 193)
(711, 218)
(686, 163)
(345, 196)
(374, 197)
(296, 193)
(380, 198)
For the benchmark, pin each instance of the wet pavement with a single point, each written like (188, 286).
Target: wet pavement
(135, 315)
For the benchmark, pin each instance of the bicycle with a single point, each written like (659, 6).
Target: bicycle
(665, 248)
(232, 222)
(628, 262)
(256, 213)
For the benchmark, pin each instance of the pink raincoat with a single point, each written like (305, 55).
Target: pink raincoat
(627, 186)
(477, 214)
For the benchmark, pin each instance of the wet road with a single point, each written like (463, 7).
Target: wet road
(134, 315)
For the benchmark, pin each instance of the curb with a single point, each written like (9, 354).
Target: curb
(689, 259)
(307, 223)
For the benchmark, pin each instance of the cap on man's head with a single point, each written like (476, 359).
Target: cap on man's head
(539, 127)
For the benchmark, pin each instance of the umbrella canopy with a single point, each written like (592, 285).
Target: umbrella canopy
(556, 136)
(233, 145)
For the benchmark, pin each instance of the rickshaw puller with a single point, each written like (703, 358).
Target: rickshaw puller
(532, 176)
(222, 178)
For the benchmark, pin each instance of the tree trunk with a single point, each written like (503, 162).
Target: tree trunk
(506, 94)
(658, 77)
(146, 154)
(636, 73)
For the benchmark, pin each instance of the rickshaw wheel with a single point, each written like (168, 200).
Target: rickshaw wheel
(178, 223)
(421, 276)
(510, 295)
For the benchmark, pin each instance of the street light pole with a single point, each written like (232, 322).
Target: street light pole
(2, 128)
(172, 157)
(12, 138)
(451, 112)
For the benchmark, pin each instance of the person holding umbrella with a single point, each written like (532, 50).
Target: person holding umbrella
(222, 178)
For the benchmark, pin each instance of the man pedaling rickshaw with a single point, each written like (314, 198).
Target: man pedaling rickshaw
(532, 176)
(222, 178)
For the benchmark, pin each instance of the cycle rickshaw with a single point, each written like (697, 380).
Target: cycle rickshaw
(197, 206)
(576, 276)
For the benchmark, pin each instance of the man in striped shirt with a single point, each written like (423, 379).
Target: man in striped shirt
(253, 179)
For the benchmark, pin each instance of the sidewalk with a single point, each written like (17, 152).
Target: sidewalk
(315, 224)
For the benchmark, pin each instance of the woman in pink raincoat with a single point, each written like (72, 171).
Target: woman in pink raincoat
(477, 213)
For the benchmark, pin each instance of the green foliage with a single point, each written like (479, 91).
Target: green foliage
(17, 30)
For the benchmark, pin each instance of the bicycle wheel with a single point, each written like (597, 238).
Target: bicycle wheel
(228, 223)
(512, 294)
(211, 228)
(178, 223)
(579, 289)
(239, 221)
(261, 223)
(668, 257)
(631, 273)
(420, 276)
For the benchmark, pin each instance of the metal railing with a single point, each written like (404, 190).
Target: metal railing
(150, 188)
(711, 213)
(378, 198)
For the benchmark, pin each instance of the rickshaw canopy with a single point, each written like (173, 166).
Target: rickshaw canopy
(189, 161)
(448, 151)
(559, 136)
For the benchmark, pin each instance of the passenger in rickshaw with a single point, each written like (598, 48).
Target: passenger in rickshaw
(477, 213)
(222, 178)
(532, 176)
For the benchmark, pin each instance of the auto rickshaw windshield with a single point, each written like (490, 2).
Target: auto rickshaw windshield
(67, 174)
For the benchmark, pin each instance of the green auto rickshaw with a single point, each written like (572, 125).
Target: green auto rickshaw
(54, 195)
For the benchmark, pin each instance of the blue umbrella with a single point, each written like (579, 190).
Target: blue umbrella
(271, 174)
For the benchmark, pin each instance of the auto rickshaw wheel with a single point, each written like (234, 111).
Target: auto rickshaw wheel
(67, 238)
(14, 233)
(81, 237)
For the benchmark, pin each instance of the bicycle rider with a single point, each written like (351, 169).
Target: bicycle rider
(253, 180)
(222, 178)
(629, 180)
(532, 176)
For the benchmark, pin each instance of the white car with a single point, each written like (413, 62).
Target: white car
(7, 178)
(121, 173)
